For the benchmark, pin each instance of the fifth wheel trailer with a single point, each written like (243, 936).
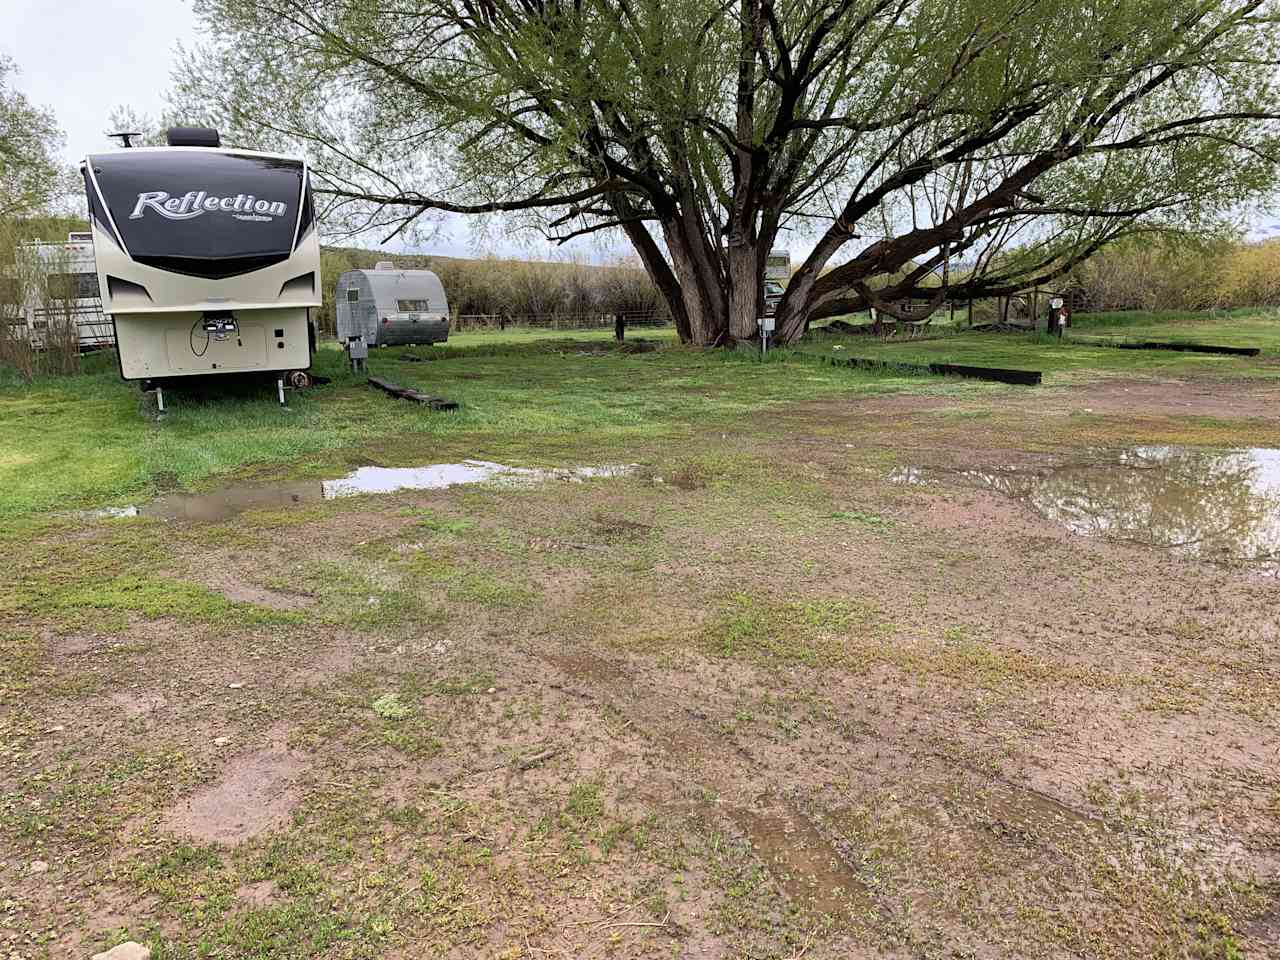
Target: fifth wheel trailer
(208, 259)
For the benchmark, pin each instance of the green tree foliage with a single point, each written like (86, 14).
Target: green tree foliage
(32, 176)
(897, 135)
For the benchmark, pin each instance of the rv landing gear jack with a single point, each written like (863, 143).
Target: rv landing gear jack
(149, 389)
(280, 392)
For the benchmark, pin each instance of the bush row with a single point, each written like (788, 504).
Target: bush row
(1166, 276)
(512, 289)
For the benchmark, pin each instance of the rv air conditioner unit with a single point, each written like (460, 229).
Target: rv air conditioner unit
(208, 258)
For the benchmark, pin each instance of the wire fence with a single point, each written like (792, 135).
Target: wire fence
(493, 322)
(94, 329)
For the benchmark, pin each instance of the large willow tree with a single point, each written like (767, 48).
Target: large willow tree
(896, 136)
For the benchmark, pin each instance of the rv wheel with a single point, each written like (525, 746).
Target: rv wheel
(299, 380)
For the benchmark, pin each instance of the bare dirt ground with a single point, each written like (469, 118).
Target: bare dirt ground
(756, 700)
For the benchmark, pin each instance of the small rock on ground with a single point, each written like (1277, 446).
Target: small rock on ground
(39, 866)
(129, 950)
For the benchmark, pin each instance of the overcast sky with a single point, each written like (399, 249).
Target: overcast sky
(83, 58)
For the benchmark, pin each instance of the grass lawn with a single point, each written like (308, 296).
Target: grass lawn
(757, 697)
(1232, 328)
(72, 443)
(1066, 362)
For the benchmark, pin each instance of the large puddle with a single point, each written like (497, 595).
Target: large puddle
(1217, 505)
(229, 501)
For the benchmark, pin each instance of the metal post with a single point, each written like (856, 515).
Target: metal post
(280, 389)
(766, 326)
(159, 400)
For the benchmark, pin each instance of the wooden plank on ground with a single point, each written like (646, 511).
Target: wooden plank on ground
(1025, 378)
(408, 393)
(1167, 345)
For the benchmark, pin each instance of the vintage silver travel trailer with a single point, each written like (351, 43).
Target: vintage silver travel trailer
(387, 306)
(208, 259)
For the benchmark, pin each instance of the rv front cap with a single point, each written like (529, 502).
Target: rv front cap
(195, 203)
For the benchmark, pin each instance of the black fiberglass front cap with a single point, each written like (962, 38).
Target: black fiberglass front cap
(200, 213)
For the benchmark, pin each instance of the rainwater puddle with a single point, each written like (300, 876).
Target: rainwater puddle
(440, 475)
(1217, 505)
(230, 501)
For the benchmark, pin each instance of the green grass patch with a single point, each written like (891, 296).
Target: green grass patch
(162, 597)
(389, 706)
(428, 520)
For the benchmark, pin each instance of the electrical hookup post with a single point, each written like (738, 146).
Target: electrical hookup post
(1059, 317)
(766, 328)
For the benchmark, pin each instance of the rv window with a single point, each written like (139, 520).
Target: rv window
(73, 286)
(414, 306)
(353, 295)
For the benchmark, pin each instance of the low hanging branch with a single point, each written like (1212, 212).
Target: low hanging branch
(701, 132)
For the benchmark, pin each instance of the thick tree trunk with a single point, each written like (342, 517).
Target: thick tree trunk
(791, 322)
(744, 292)
(694, 265)
(655, 265)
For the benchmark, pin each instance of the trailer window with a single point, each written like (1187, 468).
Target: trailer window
(414, 306)
(73, 286)
(353, 295)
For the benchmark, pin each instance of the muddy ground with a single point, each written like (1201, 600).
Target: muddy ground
(755, 699)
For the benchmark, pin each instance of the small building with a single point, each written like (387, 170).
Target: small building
(388, 306)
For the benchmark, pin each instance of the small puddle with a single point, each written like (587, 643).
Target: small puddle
(440, 475)
(1217, 505)
(230, 501)
(221, 504)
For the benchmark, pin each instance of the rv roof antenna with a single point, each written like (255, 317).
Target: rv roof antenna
(126, 137)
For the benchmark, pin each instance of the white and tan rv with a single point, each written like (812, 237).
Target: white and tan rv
(208, 259)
